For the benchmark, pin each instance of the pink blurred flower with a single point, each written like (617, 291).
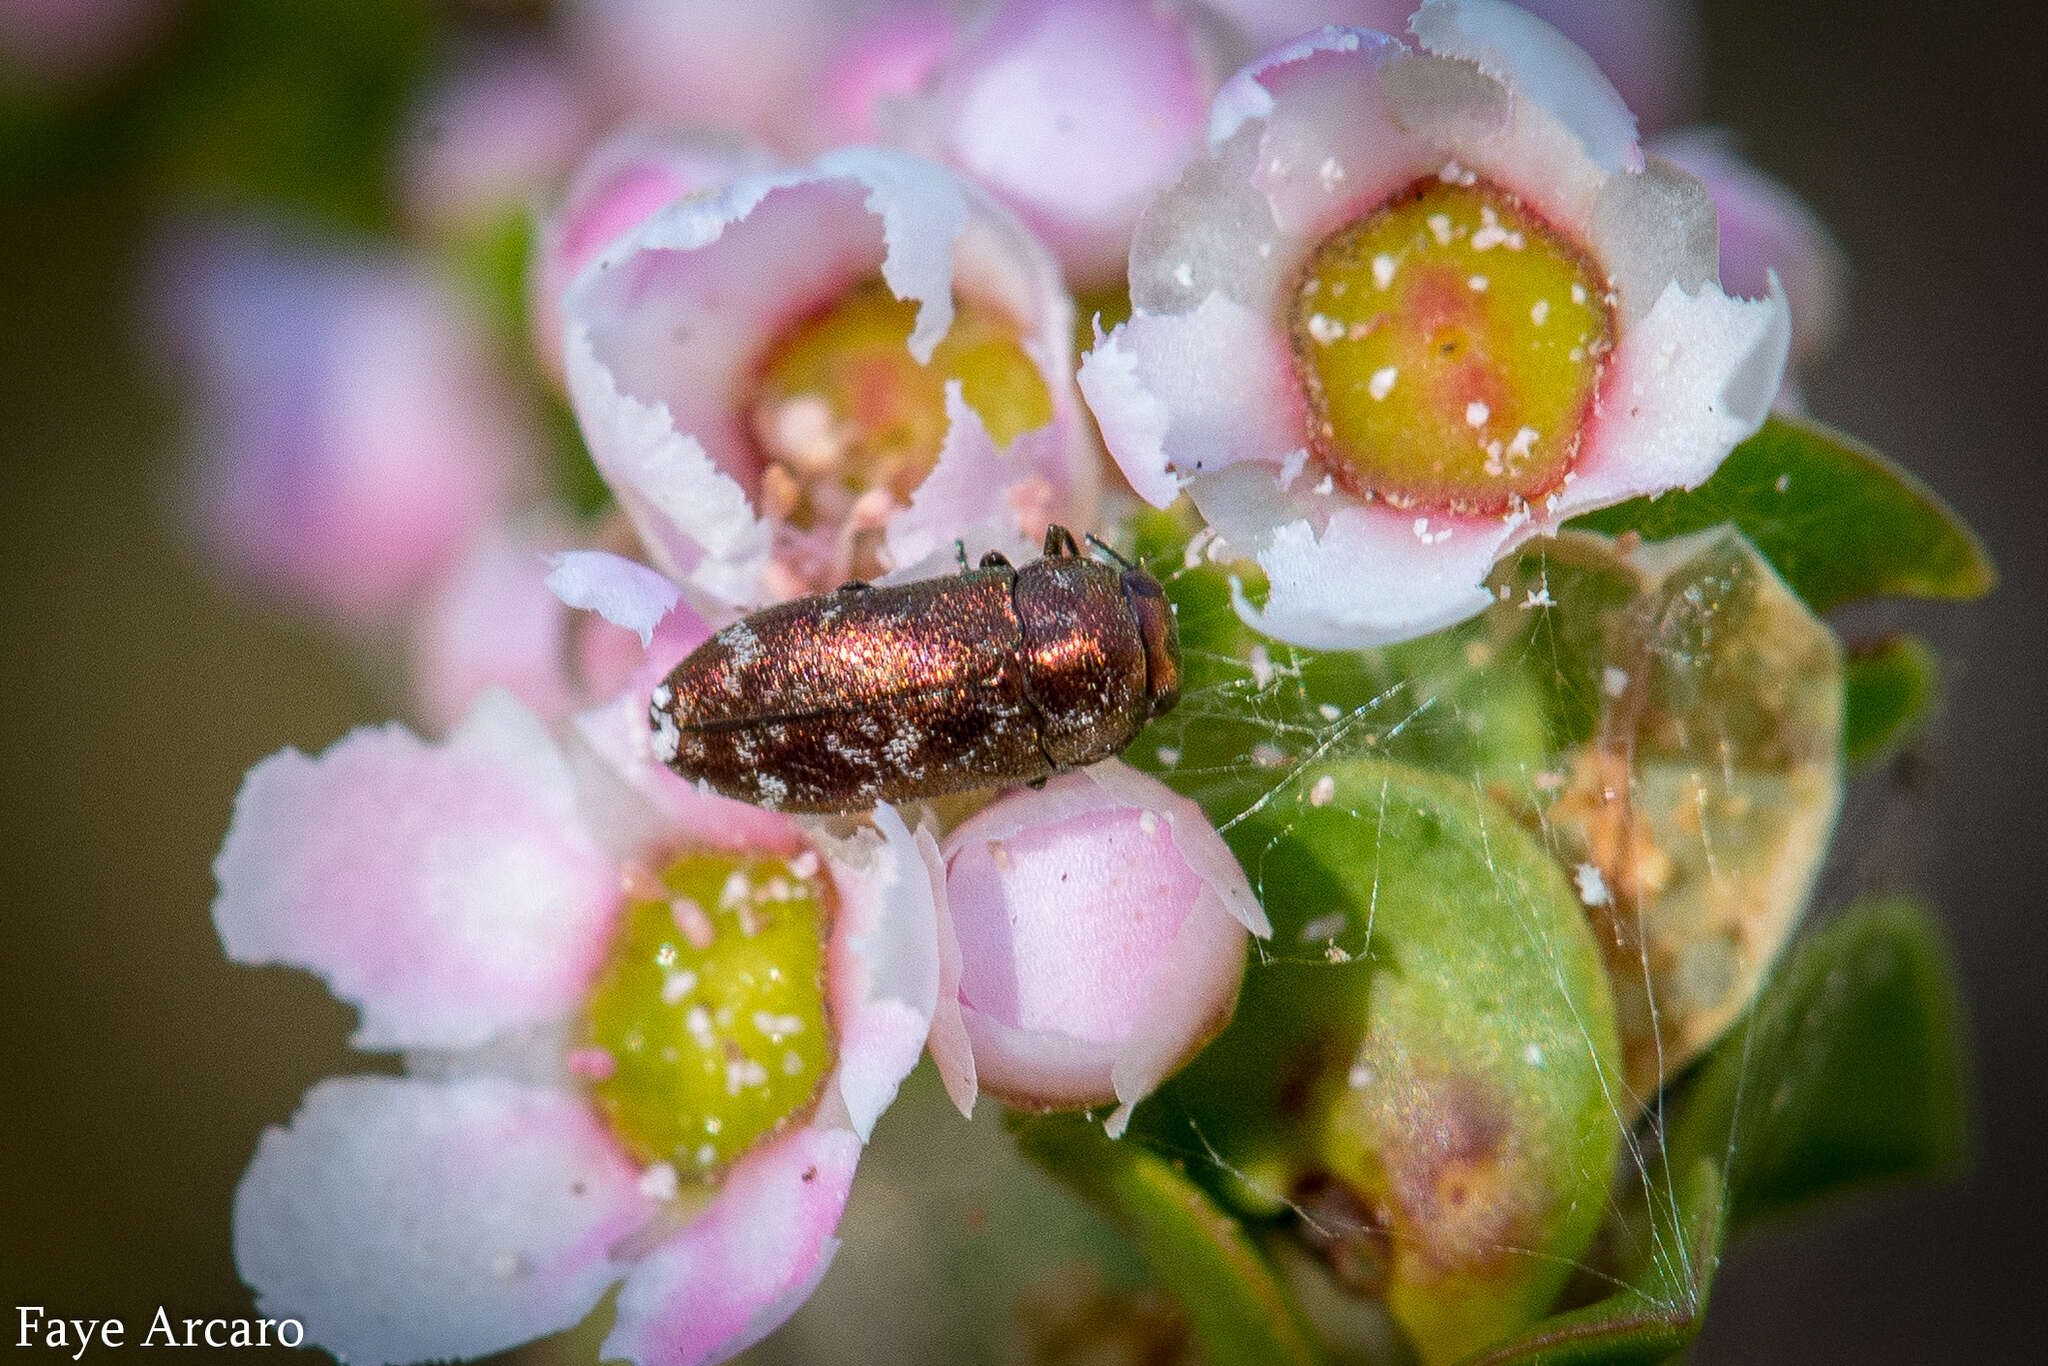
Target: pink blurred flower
(619, 185)
(747, 67)
(1649, 49)
(498, 132)
(1092, 941)
(875, 70)
(1227, 380)
(466, 897)
(353, 429)
(746, 495)
(1075, 113)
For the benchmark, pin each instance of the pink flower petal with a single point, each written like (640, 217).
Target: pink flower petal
(971, 497)
(624, 592)
(1765, 227)
(404, 1220)
(879, 66)
(746, 1261)
(491, 622)
(1075, 112)
(883, 961)
(1523, 52)
(451, 891)
(618, 187)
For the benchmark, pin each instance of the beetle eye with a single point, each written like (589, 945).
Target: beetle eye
(1162, 639)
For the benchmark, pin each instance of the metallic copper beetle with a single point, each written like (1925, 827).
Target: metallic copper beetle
(995, 675)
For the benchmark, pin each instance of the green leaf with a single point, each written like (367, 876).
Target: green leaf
(1838, 520)
(290, 101)
(1675, 1237)
(1891, 686)
(1241, 1313)
(1850, 1072)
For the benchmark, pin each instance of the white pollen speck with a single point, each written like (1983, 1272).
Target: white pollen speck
(1613, 681)
(1325, 329)
(792, 1062)
(1334, 954)
(1261, 665)
(1330, 710)
(1525, 437)
(706, 1154)
(1577, 353)
(1184, 275)
(1324, 927)
(1440, 228)
(1592, 886)
(1359, 1077)
(1148, 823)
(736, 892)
(805, 865)
(1782, 482)
(1330, 172)
(1476, 413)
(1268, 755)
(1323, 792)
(1477, 284)
(1539, 312)
(668, 741)
(1538, 597)
(743, 1074)
(1422, 530)
(677, 985)
(698, 1022)
(1578, 294)
(664, 695)
(1383, 267)
(1533, 1056)
(1382, 382)
(658, 1182)
(1168, 756)
(691, 922)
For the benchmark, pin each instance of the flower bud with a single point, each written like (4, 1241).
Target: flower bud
(1098, 928)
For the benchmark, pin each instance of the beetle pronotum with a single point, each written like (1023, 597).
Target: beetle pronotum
(869, 694)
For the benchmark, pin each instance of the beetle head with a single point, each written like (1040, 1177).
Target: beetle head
(1162, 639)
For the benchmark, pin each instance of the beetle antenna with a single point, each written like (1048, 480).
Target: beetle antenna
(1097, 543)
(1060, 541)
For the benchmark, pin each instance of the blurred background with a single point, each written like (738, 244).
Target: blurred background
(135, 688)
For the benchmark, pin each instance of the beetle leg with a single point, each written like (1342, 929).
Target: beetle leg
(1060, 541)
(855, 586)
(1036, 784)
(960, 554)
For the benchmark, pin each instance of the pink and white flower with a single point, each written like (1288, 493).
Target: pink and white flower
(354, 431)
(1591, 357)
(732, 364)
(1093, 937)
(1075, 113)
(619, 185)
(490, 906)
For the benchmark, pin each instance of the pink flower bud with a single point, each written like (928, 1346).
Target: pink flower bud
(499, 133)
(1098, 929)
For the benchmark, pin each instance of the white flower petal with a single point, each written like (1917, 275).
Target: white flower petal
(404, 1220)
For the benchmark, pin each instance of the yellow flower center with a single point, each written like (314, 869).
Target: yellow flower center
(1450, 345)
(707, 1030)
(849, 423)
